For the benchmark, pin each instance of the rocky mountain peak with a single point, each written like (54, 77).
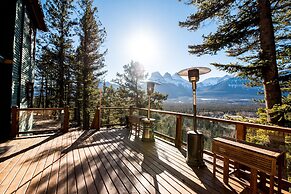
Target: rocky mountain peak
(167, 76)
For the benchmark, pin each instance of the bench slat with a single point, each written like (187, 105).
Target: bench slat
(263, 151)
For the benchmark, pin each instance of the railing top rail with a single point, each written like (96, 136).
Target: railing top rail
(212, 119)
(113, 107)
(39, 109)
(250, 125)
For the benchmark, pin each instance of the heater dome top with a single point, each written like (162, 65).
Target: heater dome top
(202, 70)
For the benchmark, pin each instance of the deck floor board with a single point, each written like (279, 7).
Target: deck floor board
(30, 171)
(33, 183)
(131, 175)
(105, 161)
(63, 172)
(162, 183)
(140, 179)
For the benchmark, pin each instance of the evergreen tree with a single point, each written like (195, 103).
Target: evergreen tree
(245, 29)
(111, 98)
(78, 87)
(129, 84)
(157, 100)
(130, 91)
(90, 62)
(283, 112)
(57, 50)
(41, 77)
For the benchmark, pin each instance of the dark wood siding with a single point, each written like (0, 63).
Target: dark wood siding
(23, 55)
(17, 53)
(17, 69)
(27, 62)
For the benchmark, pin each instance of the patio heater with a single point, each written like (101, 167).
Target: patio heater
(195, 139)
(148, 134)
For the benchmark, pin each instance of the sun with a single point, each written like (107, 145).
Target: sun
(143, 48)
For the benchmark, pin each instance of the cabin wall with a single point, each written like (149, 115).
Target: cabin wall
(23, 58)
(17, 42)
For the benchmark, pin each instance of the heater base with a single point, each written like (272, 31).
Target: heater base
(195, 145)
(148, 132)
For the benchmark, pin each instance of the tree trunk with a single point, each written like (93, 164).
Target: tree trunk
(85, 108)
(40, 98)
(137, 104)
(78, 104)
(61, 83)
(270, 70)
(268, 56)
(47, 94)
(86, 113)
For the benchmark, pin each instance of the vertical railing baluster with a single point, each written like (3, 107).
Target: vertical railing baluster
(178, 138)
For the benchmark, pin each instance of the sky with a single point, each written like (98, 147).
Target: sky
(147, 31)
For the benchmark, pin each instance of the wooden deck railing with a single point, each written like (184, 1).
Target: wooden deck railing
(15, 119)
(240, 127)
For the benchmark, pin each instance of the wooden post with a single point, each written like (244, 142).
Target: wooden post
(96, 123)
(93, 124)
(66, 120)
(241, 132)
(240, 135)
(128, 123)
(253, 181)
(99, 118)
(225, 170)
(178, 138)
(15, 122)
(214, 165)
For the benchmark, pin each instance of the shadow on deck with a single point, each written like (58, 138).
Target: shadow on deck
(106, 161)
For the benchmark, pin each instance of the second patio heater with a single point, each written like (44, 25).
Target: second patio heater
(148, 123)
(195, 139)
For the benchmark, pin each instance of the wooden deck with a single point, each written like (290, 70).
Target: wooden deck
(106, 161)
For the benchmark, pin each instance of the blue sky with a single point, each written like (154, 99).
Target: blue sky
(147, 31)
(153, 24)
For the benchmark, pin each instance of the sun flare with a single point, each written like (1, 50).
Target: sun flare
(142, 48)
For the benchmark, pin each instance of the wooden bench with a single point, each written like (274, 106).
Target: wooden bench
(256, 158)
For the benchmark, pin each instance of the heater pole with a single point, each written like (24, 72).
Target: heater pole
(194, 106)
(149, 105)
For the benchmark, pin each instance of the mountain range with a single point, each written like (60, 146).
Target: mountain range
(226, 88)
(214, 88)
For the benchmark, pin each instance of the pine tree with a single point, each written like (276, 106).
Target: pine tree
(78, 87)
(283, 112)
(57, 47)
(130, 88)
(90, 59)
(157, 100)
(245, 29)
(111, 98)
(129, 83)
(45, 75)
(41, 77)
